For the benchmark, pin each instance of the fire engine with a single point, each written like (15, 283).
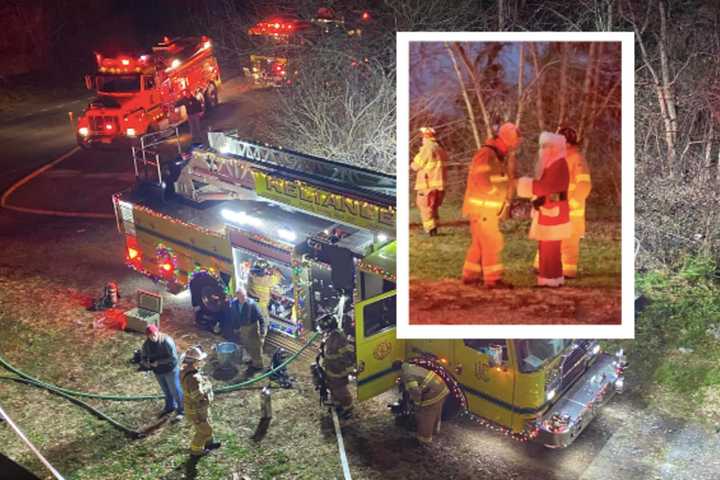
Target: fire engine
(136, 92)
(279, 38)
(328, 229)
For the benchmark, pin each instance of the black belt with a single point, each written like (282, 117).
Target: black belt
(553, 197)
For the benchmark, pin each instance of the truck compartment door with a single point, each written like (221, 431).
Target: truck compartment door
(376, 344)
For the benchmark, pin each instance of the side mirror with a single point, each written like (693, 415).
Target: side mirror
(89, 82)
(495, 356)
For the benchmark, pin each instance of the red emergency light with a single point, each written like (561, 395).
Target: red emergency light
(274, 27)
(365, 16)
(133, 253)
(167, 267)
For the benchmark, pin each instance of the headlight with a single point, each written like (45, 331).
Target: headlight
(130, 132)
(550, 394)
(84, 131)
(596, 349)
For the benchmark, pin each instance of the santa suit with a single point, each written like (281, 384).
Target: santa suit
(430, 165)
(551, 215)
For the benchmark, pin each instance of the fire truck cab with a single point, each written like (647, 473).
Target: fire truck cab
(136, 93)
(545, 390)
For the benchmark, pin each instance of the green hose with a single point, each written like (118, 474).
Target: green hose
(226, 389)
(132, 433)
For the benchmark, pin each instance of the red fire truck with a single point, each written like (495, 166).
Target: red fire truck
(277, 39)
(136, 92)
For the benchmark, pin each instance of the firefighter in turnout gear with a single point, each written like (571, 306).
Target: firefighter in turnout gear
(338, 361)
(198, 396)
(430, 164)
(261, 281)
(486, 198)
(428, 392)
(578, 191)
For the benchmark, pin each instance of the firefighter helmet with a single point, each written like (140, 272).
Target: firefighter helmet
(427, 132)
(569, 134)
(327, 322)
(260, 267)
(194, 354)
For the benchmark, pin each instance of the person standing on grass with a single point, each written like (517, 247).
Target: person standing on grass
(248, 324)
(550, 215)
(160, 355)
(430, 163)
(199, 396)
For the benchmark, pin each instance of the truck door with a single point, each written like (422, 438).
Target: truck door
(483, 368)
(376, 345)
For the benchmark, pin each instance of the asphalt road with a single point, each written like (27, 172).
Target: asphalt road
(628, 441)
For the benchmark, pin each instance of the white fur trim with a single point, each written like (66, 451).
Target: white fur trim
(524, 187)
(550, 232)
(550, 212)
(550, 282)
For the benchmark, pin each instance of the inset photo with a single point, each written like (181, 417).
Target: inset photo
(517, 162)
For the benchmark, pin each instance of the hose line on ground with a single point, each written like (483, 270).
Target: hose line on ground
(221, 390)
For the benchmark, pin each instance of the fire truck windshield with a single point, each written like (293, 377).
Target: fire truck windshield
(118, 83)
(533, 354)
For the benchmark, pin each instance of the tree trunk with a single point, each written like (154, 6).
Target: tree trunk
(466, 97)
(666, 81)
(521, 73)
(538, 88)
(477, 85)
(586, 89)
(563, 85)
(595, 93)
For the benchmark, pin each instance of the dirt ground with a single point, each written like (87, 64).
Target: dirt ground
(448, 301)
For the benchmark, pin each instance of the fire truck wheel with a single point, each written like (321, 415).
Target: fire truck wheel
(211, 97)
(207, 293)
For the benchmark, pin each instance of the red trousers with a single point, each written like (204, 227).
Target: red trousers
(550, 260)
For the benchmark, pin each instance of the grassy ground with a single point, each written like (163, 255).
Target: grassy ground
(443, 256)
(677, 340)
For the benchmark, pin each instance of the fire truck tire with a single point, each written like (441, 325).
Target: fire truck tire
(211, 97)
(207, 293)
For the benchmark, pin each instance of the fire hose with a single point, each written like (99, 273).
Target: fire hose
(74, 396)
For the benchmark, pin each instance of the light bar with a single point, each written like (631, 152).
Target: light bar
(241, 218)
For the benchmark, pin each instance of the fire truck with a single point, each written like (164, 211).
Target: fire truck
(328, 229)
(136, 92)
(279, 38)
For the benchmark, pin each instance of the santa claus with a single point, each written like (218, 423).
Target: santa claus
(550, 214)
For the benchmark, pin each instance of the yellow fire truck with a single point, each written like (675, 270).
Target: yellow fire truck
(327, 229)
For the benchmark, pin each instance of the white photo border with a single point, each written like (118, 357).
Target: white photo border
(627, 327)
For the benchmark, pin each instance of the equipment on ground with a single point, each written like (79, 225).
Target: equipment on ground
(150, 306)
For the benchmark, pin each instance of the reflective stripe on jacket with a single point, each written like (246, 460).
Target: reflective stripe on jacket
(487, 182)
(338, 355)
(580, 182)
(430, 163)
(425, 387)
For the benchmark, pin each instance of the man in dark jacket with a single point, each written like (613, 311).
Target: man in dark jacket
(194, 109)
(160, 355)
(246, 321)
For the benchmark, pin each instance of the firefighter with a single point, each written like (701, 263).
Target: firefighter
(430, 164)
(485, 201)
(198, 396)
(550, 215)
(578, 191)
(428, 392)
(194, 109)
(260, 283)
(248, 325)
(338, 361)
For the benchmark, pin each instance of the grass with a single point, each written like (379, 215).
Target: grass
(673, 348)
(443, 256)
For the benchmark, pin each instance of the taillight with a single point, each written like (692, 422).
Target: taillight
(108, 126)
(133, 253)
(167, 267)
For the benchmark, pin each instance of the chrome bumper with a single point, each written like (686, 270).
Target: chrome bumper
(579, 405)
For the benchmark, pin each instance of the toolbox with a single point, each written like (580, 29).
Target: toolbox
(148, 310)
